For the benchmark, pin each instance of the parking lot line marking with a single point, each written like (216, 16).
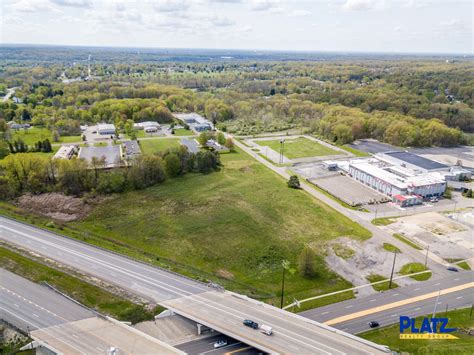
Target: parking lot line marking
(398, 304)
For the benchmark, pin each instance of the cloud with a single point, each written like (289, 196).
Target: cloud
(172, 5)
(453, 25)
(397, 29)
(73, 3)
(32, 6)
(265, 5)
(359, 5)
(299, 13)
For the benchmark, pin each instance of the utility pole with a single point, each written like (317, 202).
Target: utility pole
(282, 145)
(434, 310)
(426, 258)
(393, 268)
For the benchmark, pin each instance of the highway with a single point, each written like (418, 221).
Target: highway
(65, 326)
(206, 346)
(365, 309)
(219, 310)
(26, 304)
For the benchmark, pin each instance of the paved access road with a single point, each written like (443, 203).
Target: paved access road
(464, 297)
(153, 283)
(62, 324)
(26, 304)
(222, 311)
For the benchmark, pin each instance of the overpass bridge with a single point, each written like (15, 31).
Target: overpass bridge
(221, 310)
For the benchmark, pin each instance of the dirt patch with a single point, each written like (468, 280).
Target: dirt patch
(58, 206)
(225, 274)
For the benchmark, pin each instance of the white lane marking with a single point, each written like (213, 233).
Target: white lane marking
(456, 279)
(76, 245)
(417, 289)
(325, 312)
(34, 314)
(394, 315)
(152, 281)
(350, 306)
(436, 284)
(210, 351)
(372, 300)
(458, 298)
(16, 305)
(417, 309)
(395, 294)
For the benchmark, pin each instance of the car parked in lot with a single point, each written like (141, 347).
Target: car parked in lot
(250, 323)
(220, 343)
(374, 324)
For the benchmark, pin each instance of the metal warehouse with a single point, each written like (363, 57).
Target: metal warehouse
(105, 129)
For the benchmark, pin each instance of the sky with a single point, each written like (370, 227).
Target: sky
(400, 26)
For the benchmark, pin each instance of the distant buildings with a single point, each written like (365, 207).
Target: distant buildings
(405, 177)
(195, 121)
(105, 129)
(148, 126)
(17, 126)
(66, 152)
(212, 144)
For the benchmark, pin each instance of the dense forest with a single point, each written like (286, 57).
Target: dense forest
(413, 101)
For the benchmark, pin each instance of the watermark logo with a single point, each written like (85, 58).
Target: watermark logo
(428, 328)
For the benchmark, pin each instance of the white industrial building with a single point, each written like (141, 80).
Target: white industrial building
(105, 129)
(148, 126)
(393, 180)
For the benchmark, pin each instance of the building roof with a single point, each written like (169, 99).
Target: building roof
(399, 197)
(105, 127)
(417, 160)
(395, 180)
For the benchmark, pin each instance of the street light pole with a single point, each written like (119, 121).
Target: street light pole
(393, 268)
(282, 144)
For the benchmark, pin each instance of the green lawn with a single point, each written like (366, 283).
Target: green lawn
(35, 134)
(415, 267)
(382, 221)
(457, 319)
(89, 295)
(152, 146)
(234, 226)
(407, 241)
(183, 132)
(391, 248)
(299, 148)
(381, 286)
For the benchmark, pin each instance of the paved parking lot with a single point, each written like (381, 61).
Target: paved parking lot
(348, 190)
(111, 154)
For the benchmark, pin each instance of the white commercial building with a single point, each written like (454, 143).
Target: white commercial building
(394, 180)
(105, 129)
(148, 126)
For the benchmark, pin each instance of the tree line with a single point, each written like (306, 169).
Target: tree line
(25, 172)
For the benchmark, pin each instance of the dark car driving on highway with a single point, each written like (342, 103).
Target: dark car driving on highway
(250, 323)
(374, 324)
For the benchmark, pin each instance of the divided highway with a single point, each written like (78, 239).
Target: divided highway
(457, 291)
(222, 311)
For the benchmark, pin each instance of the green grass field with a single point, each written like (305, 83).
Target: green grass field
(152, 146)
(415, 267)
(35, 134)
(299, 148)
(183, 132)
(234, 226)
(89, 295)
(391, 248)
(457, 319)
(407, 241)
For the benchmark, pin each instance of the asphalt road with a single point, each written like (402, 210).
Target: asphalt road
(206, 346)
(152, 283)
(24, 303)
(458, 299)
(64, 325)
(222, 311)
